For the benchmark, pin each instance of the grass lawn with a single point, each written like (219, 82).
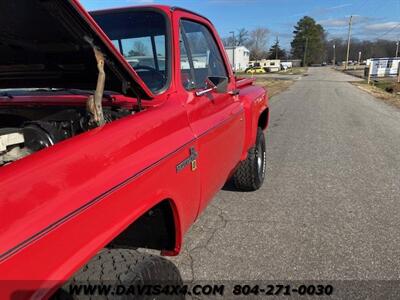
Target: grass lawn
(272, 81)
(388, 86)
(293, 71)
(388, 91)
(274, 86)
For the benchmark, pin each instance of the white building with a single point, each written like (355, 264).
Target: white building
(241, 57)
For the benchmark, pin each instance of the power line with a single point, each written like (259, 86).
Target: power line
(379, 8)
(390, 30)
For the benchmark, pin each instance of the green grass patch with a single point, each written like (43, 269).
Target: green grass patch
(388, 86)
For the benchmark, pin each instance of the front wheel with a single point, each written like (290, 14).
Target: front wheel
(251, 172)
(126, 272)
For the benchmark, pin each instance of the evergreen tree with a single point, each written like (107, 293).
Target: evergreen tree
(276, 52)
(309, 37)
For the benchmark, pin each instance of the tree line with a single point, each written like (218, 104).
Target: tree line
(368, 49)
(309, 44)
(256, 41)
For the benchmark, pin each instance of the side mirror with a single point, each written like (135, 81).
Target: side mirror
(214, 83)
(219, 83)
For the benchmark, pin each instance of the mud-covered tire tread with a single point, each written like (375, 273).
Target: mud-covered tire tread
(246, 176)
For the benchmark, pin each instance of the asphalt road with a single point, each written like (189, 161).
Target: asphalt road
(330, 206)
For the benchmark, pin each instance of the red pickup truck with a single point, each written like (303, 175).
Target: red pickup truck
(117, 128)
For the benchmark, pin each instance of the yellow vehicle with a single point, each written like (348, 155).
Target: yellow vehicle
(255, 70)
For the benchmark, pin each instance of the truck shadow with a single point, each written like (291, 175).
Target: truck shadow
(230, 187)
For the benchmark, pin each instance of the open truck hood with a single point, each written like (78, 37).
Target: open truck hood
(49, 43)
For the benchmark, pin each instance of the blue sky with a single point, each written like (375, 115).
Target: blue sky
(372, 18)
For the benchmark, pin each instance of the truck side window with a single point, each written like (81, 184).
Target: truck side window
(203, 53)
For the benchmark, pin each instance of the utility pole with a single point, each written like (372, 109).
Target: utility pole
(276, 47)
(233, 51)
(334, 55)
(305, 52)
(398, 73)
(348, 44)
(398, 64)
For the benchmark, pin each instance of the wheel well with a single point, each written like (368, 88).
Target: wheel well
(263, 119)
(155, 229)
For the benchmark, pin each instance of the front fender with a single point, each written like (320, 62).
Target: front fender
(255, 102)
(66, 202)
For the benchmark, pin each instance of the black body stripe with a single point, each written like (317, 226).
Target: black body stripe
(70, 215)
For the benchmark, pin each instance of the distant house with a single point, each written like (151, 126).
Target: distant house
(241, 55)
(295, 62)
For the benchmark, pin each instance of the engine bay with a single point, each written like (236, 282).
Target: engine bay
(29, 128)
(26, 130)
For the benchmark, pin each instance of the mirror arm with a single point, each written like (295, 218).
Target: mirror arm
(203, 92)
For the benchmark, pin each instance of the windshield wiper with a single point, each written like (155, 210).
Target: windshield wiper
(72, 92)
(69, 91)
(7, 95)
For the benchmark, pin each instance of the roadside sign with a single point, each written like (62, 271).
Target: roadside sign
(383, 67)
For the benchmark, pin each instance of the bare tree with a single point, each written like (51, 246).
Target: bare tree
(257, 43)
(242, 37)
(226, 41)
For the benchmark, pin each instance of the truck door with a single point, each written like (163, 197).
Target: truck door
(216, 118)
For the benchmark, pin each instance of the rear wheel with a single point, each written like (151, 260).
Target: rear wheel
(250, 174)
(124, 269)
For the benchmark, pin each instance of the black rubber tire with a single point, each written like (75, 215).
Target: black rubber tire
(250, 174)
(128, 268)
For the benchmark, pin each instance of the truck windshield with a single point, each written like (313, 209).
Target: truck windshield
(141, 37)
